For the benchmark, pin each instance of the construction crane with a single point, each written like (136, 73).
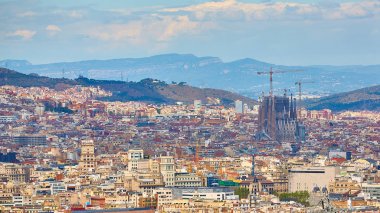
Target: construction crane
(299, 83)
(270, 73)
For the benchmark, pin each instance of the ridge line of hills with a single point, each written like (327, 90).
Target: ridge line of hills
(239, 76)
(155, 91)
(146, 90)
(367, 98)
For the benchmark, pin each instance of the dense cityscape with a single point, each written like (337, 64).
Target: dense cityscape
(190, 106)
(66, 151)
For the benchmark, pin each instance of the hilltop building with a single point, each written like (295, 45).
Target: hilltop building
(239, 107)
(197, 104)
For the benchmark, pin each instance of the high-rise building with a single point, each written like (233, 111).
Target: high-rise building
(167, 168)
(278, 119)
(136, 160)
(135, 154)
(87, 161)
(239, 106)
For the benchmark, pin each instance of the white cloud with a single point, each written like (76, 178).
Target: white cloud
(53, 28)
(355, 10)
(177, 25)
(230, 9)
(25, 34)
(156, 28)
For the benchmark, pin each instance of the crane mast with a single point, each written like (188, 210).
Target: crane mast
(299, 83)
(270, 73)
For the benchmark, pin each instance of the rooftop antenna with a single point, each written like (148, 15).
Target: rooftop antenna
(121, 76)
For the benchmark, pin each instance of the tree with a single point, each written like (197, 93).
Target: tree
(299, 197)
(242, 192)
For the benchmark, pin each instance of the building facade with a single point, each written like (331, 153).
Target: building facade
(87, 161)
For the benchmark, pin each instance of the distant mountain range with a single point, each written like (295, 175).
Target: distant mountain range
(363, 99)
(154, 91)
(210, 72)
(146, 90)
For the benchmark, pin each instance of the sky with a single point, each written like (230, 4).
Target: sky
(293, 32)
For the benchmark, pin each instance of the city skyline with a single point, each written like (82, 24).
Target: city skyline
(189, 106)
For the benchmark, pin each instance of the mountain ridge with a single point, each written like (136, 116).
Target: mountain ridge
(155, 91)
(239, 76)
(362, 99)
(147, 90)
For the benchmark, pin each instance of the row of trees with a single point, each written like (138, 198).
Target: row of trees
(242, 192)
(299, 197)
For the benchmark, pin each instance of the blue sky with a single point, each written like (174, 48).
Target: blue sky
(290, 32)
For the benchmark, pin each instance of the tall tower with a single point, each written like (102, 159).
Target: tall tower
(87, 161)
(167, 168)
(253, 166)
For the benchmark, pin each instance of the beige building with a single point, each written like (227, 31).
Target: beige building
(143, 182)
(167, 168)
(187, 180)
(164, 197)
(343, 185)
(87, 161)
(14, 172)
(372, 190)
(306, 178)
(280, 182)
(122, 201)
(139, 165)
(135, 154)
(147, 184)
(136, 160)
